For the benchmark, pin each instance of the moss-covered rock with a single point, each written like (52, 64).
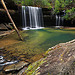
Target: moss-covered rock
(32, 68)
(59, 61)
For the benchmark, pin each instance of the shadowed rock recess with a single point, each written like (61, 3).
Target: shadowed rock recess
(59, 60)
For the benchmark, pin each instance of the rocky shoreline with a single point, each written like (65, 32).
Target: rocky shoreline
(59, 60)
(11, 66)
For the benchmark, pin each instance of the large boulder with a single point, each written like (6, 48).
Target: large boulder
(59, 60)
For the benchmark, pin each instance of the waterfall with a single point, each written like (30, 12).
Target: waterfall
(32, 17)
(56, 20)
(23, 16)
(60, 19)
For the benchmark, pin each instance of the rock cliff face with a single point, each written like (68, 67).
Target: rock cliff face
(59, 60)
(50, 19)
(15, 14)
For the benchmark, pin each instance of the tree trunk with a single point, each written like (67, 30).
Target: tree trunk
(2, 1)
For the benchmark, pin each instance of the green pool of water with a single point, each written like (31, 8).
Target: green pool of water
(43, 39)
(38, 41)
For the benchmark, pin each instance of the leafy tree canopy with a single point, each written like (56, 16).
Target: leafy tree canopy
(57, 5)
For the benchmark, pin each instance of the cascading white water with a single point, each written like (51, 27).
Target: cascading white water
(23, 16)
(33, 15)
(3, 62)
(34, 20)
(56, 20)
(60, 19)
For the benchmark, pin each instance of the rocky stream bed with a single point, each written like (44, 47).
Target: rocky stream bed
(58, 60)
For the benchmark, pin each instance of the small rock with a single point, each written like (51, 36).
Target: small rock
(22, 71)
(72, 41)
(1, 61)
(1, 48)
(69, 54)
(50, 48)
(46, 65)
(1, 68)
(16, 66)
(37, 73)
(1, 57)
(22, 59)
(38, 68)
(22, 56)
(73, 49)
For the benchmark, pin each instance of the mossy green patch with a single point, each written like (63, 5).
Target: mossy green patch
(46, 53)
(33, 68)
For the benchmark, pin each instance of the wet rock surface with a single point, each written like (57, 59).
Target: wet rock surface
(4, 33)
(4, 62)
(59, 60)
(16, 66)
(10, 64)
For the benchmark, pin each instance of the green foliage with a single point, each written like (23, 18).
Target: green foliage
(28, 2)
(46, 4)
(61, 5)
(65, 5)
(57, 6)
(68, 2)
(46, 53)
(70, 14)
(41, 3)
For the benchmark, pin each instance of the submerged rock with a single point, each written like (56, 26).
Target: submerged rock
(1, 48)
(1, 60)
(9, 63)
(16, 66)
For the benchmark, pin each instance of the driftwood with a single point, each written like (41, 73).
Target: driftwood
(3, 3)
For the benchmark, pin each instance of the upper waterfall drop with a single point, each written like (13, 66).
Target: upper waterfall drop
(60, 19)
(23, 16)
(32, 17)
